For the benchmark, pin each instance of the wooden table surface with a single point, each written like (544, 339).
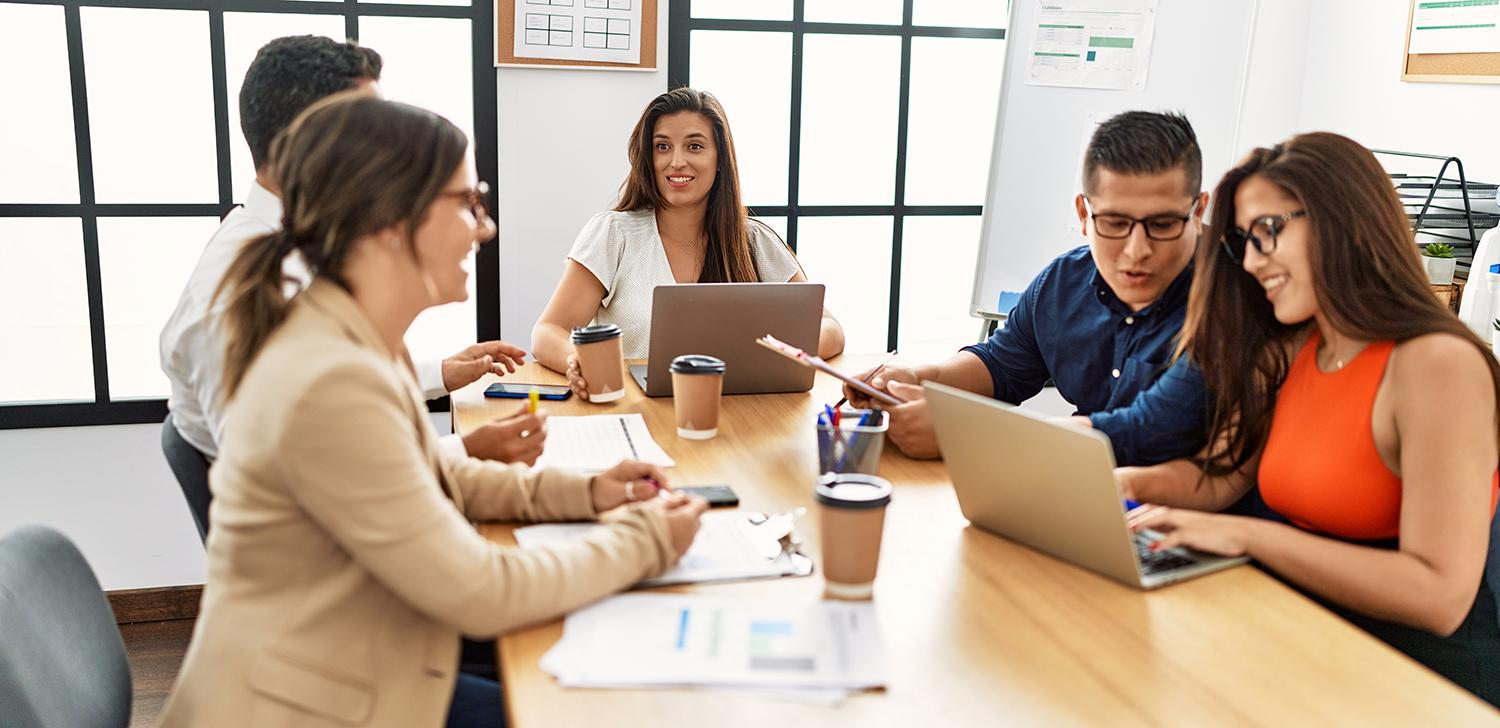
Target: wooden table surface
(980, 630)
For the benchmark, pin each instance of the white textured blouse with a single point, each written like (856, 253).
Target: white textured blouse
(624, 251)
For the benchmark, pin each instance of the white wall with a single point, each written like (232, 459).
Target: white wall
(1354, 87)
(108, 489)
(1274, 80)
(563, 136)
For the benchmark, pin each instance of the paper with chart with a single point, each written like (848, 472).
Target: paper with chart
(1455, 26)
(728, 546)
(677, 640)
(579, 30)
(1104, 44)
(598, 442)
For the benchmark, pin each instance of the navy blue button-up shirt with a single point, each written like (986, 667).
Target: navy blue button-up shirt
(1108, 361)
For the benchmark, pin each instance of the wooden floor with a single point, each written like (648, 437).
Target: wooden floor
(155, 650)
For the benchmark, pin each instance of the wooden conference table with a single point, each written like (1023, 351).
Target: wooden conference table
(980, 630)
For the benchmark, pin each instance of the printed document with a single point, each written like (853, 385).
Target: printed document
(1103, 44)
(728, 547)
(1455, 26)
(677, 640)
(598, 442)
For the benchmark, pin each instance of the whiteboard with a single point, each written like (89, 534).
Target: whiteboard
(1199, 65)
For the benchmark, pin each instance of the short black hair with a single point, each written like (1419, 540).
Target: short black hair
(1145, 142)
(290, 74)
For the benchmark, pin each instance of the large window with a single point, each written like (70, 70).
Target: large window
(120, 150)
(863, 129)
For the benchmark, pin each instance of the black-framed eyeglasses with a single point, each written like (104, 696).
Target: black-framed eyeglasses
(477, 198)
(1262, 234)
(1114, 226)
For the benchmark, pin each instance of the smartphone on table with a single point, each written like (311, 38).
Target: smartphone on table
(514, 390)
(718, 496)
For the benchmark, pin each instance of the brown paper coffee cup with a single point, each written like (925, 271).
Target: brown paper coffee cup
(697, 383)
(851, 512)
(601, 361)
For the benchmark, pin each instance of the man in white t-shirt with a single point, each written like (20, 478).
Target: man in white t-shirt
(288, 75)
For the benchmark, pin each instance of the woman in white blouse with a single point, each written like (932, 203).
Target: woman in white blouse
(679, 220)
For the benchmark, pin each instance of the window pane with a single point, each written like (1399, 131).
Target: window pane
(852, 256)
(244, 34)
(144, 263)
(743, 9)
(850, 93)
(428, 63)
(44, 291)
(955, 90)
(151, 107)
(775, 223)
(961, 13)
(39, 158)
(937, 271)
(884, 12)
(751, 74)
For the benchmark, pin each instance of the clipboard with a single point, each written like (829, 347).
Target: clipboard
(808, 360)
(730, 546)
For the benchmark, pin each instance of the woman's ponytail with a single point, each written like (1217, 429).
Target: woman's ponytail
(256, 303)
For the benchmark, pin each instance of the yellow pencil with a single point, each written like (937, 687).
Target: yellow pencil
(532, 398)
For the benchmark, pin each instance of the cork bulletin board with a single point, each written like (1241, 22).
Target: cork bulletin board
(1446, 67)
(505, 39)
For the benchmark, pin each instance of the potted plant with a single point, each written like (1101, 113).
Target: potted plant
(1438, 259)
(1495, 337)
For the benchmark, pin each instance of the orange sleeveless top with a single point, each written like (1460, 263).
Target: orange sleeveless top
(1320, 467)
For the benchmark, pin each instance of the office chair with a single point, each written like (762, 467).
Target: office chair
(1492, 561)
(62, 663)
(191, 469)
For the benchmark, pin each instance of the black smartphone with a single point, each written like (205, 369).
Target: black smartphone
(718, 496)
(514, 390)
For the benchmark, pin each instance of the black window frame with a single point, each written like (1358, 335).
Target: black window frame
(106, 411)
(680, 26)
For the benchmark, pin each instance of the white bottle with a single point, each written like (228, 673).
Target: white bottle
(1480, 304)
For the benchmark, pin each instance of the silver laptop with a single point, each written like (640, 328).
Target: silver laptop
(1050, 487)
(724, 320)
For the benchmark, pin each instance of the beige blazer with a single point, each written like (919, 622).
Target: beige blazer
(341, 566)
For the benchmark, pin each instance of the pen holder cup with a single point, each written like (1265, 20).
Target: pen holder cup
(852, 448)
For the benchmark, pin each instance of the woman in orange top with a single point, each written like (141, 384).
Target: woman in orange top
(1366, 409)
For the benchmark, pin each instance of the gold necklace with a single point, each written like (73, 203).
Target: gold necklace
(1338, 362)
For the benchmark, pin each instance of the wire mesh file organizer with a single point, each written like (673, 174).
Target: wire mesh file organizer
(1446, 207)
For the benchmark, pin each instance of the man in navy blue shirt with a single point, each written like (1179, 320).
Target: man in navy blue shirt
(1100, 320)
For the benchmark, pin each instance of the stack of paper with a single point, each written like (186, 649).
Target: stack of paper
(598, 442)
(674, 640)
(728, 547)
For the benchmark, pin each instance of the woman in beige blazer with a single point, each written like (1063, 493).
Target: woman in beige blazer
(342, 568)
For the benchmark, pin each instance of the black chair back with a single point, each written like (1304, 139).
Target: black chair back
(62, 663)
(191, 469)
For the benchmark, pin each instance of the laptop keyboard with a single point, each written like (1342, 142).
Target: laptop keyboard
(1158, 561)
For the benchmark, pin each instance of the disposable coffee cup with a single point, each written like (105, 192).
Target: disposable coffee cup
(697, 382)
(601, 361)
(851, 512)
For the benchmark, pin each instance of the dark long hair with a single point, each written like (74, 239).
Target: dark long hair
(728, 258)
(1366, 276)
(350, 166)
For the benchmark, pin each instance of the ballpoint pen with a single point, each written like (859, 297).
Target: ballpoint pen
(871, 376)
